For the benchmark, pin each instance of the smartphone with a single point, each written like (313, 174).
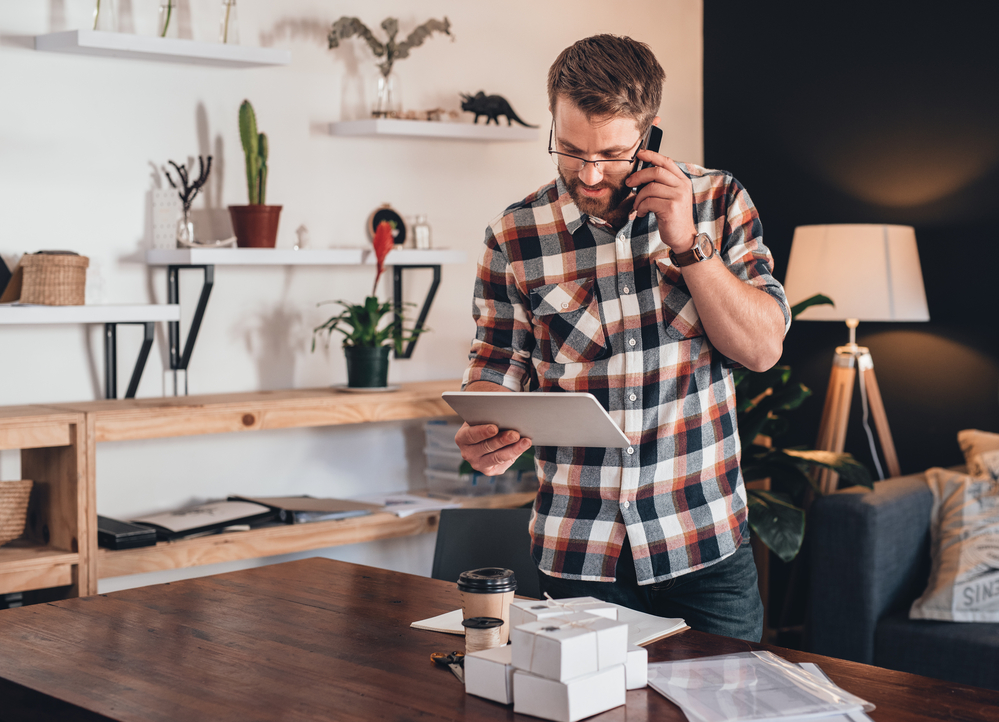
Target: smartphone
(653, 139)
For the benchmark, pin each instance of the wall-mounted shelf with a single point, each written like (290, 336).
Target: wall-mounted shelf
(176, 259)
(110, 315)
(171, 50)
(305, 257)
(426, 129)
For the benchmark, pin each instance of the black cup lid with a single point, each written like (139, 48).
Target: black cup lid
(482, 623)
(488, 580)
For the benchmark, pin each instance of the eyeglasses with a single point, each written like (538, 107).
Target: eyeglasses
(574, 164)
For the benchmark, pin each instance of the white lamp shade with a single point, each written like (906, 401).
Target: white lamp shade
(870, 271)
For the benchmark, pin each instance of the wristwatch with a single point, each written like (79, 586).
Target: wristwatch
(704, 248)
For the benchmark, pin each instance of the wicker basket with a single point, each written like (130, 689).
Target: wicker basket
(14, 497)
(54, 278)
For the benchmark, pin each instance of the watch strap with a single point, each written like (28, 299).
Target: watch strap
(694, 254)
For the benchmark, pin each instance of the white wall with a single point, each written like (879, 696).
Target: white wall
(80, 141)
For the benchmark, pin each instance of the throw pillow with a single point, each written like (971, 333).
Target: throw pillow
(981, 452)
(964, 529)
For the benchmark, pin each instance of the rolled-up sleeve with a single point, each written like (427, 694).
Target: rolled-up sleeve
(504, 340)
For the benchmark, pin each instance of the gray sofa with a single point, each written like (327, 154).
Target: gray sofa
(870, 558)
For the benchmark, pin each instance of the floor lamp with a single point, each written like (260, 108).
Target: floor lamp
(872, 273)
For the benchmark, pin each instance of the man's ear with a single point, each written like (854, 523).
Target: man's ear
(655, 121)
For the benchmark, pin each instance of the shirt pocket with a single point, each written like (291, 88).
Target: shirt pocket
(680, 317)
(567, 322)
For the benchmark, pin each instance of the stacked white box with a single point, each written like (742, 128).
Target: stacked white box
(569, 701)
(524, 611)
(570, 666)
(568, 646)
(636, 668)
(489, 674)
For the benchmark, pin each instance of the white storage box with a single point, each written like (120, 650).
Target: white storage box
(569, 646)
(636, 668)
(569, 701)
(489, 674)
(443, 460)
(525, 611)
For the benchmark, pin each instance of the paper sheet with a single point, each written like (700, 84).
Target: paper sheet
(642, 628)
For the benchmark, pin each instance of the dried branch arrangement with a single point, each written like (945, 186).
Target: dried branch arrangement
(347, 27)
(189, 189)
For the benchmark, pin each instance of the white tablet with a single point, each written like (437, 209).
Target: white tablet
(546, 418)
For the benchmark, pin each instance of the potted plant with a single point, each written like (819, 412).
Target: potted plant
(370, 329)
(777, 516)
(255, 225)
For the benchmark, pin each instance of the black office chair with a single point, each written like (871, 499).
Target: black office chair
(476, 538)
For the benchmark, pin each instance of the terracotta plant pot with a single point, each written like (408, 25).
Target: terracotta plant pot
(367, 366)
(255, 226)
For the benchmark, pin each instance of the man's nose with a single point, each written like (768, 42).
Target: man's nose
(590, 174)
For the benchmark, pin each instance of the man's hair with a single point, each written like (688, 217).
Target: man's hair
(607, 76)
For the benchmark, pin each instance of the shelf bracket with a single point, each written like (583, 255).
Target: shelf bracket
(178, 360)
(397, 302)
(111, 358)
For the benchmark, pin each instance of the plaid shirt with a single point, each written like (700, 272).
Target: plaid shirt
(563, 303)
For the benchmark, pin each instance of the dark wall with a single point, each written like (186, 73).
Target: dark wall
(875, 112)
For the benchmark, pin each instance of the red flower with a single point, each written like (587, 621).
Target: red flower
(383, 243)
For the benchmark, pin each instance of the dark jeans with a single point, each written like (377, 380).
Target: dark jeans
(722, 598)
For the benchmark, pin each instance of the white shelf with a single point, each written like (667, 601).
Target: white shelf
(433, 129)
(289, 257)
(32, 315)
(142, 47)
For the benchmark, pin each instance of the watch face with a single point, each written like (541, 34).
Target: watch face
(705, 245)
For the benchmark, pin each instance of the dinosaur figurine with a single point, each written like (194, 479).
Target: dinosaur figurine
(491, 106)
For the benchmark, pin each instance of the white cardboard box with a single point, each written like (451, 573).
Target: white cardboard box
(489, 674)
(524, 611)
(636, 668)
(569, 701)
(569, 646)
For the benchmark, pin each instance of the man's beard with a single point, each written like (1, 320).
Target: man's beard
(612, 209)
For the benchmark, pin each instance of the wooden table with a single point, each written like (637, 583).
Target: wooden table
(320, 640)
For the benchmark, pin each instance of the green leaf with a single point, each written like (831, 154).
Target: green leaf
(845, 465)
(817, 300)
(777, 523)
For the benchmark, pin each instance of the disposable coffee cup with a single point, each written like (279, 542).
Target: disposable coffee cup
(487, 592)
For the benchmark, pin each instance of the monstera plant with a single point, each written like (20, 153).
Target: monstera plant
(777, 517)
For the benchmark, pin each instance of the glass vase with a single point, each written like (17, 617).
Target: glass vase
(105, 17)
(388, 97)
(167, 23)
(229, 24)
(185, 230)
(421, 233)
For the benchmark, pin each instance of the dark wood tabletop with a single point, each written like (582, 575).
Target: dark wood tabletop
(320, 640)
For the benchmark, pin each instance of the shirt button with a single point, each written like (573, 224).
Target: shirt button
(626, 505)
(633, 397)
(631, 342)
(631, 449)
(565, 305)
(621, 238)
(626, 289)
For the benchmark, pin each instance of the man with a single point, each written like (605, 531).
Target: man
(647, 301)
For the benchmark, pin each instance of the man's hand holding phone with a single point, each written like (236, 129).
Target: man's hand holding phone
(665, 190)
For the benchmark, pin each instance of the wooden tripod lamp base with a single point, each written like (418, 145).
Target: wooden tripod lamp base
(836, 413)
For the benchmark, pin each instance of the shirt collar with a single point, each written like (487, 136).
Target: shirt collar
(573, 219)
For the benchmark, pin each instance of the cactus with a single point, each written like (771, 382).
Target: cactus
(255, 149)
